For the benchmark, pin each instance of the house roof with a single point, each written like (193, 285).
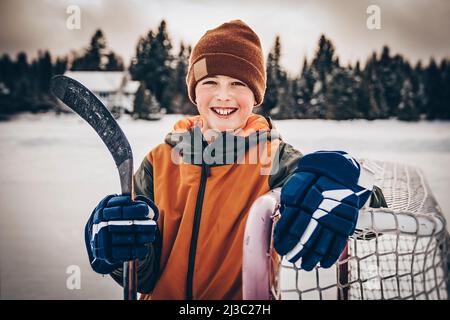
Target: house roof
(99, 81)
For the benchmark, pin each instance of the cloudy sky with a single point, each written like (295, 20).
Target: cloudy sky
(417, 29)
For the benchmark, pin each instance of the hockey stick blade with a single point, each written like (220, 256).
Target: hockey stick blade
(81, 100)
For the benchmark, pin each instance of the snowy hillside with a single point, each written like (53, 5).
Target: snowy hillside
(54, 170)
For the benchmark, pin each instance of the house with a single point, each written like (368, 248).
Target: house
(114, 88)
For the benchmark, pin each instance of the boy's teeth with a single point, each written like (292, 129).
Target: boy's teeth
(223, 111)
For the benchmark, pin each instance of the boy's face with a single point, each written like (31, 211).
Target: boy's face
(224, 103)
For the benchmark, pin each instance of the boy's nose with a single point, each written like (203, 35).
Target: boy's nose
(223, 93)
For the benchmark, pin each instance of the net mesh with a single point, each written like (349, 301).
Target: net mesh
(399, 252)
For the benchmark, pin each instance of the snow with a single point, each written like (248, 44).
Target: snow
(54, 170)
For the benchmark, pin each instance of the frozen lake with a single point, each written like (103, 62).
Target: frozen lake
(54, 170)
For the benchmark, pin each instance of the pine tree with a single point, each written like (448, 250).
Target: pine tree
(182, 64)
(7, 105)
(180, 102)
(23, 85)
(434, 90)
(145, 104)
(286, 105)
(37, 97)
(7, 71)
(92, 59)
(407, 110)
(114, 62)
(95, 52)
(324, 61)
(323, 64)
(140, 64)
(276, 81)
(340, 96)
(45, 71)
(384, 72)
(362, 104)
(374, 91)
(390, 71)
(77, 63)
(445, 78)
(97, 57)
(154, 64)
(60, 65)
(159, 83)
(418, 87)
(297, 92)
(304, 85)
(283, 109)
(270, 97)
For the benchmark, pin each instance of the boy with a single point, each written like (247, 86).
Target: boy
(193, 192)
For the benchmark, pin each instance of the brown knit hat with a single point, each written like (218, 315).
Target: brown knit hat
(232, 49)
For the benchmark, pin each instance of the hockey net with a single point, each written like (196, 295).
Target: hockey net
(399, 252)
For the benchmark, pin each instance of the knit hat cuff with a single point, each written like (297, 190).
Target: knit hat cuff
(213, 64)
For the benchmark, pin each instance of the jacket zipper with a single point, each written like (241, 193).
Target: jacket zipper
(206, 172)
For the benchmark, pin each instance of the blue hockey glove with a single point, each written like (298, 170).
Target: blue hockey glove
(119, 230)
(319, 209)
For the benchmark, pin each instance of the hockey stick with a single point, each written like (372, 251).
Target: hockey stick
(81, 100)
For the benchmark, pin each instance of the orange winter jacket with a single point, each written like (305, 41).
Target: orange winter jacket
(204, 192)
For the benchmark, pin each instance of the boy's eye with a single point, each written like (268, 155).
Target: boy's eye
(238, 83)
(209, 82)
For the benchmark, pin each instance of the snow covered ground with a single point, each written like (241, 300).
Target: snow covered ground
(54, 170)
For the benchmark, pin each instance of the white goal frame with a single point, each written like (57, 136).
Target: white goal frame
(399, 252)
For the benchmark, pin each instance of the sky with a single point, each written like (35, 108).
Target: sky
(418, 29)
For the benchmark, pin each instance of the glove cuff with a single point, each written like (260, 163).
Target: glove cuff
(99, 266)
(366, 179)
(366, 175)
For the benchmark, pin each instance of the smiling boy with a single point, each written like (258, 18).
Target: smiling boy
(224, 103)
(194, 191)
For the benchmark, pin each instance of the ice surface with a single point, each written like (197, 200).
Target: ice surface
(54, 170)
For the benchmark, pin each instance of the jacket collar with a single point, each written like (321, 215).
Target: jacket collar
(227, 147)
